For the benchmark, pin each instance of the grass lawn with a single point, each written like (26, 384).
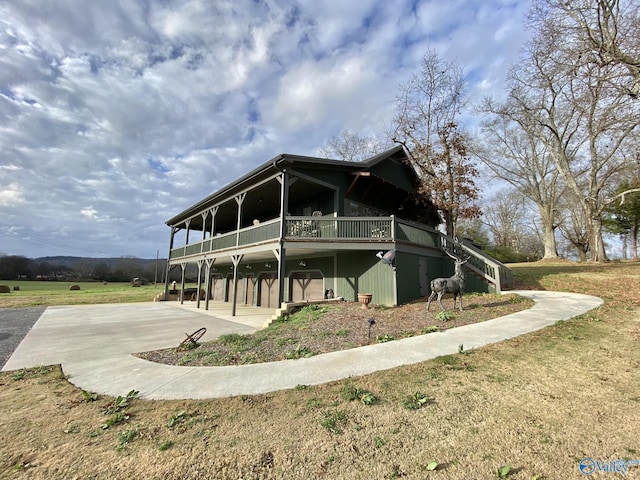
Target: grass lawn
(35, 293)
(529, 408)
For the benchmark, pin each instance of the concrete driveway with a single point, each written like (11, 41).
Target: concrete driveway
(94, 345)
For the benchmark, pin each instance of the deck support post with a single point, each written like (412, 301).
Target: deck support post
(183, 266)
(284, 205)
(236, 259)
(166, 277)
(209, 263)
(200, 263)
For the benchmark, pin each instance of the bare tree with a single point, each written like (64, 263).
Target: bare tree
(352, 147)
(504, 219)
(508, 218)
(588, 124)
(607, 32)
(574, 226)
(475, 231)
(513, 151)
(425, 123)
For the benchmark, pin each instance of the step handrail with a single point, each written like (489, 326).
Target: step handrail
(497, 272)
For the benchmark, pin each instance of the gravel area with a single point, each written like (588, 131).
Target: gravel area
(15, 323)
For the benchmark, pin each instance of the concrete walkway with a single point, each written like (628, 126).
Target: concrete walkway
(94, 345)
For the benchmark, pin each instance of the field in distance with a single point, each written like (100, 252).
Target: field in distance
(36, 293)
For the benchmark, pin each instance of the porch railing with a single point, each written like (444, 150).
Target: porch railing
(254, 234)
(340, 228)
(351, 229)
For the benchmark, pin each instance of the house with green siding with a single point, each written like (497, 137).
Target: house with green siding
(300, 229)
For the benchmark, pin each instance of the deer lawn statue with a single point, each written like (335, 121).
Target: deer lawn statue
(454, 285)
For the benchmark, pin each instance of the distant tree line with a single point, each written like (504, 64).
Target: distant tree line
(122, 269)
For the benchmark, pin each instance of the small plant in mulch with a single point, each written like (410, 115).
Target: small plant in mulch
(384, 338)
(299, 352)
(431, 329)
(445, 316)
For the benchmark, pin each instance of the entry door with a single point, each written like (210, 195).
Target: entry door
(422, 272)
(268, 290)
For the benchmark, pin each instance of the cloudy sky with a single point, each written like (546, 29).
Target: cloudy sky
(116, 115)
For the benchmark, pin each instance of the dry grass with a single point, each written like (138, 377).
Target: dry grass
(35, 293)
(538, 403)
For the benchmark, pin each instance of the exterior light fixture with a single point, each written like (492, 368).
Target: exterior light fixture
(371, 323)
(303, 263)
(388, 258)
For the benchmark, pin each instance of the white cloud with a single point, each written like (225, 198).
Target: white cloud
(114, 116)
(11, 195)
(89, 212)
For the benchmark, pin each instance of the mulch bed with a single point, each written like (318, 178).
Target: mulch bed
(339, 326)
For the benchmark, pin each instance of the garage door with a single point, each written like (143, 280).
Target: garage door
(307, 286)
(251, 282)
(239, 290)
(217, 288)
(268, 290)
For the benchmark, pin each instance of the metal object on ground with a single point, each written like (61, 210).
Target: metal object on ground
(192, 340)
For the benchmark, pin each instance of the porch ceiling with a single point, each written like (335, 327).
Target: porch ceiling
(262, 203)
(367, 187)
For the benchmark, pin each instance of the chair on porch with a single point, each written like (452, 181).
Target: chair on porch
(314, 228)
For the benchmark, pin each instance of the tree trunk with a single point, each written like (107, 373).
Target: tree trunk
(598, 252)
(634, 243)
(548, 232)
(582, 254)
(449, 223)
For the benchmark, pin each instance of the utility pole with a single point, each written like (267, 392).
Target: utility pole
(155, 280)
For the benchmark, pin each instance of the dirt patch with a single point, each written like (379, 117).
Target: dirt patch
(322, 329)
